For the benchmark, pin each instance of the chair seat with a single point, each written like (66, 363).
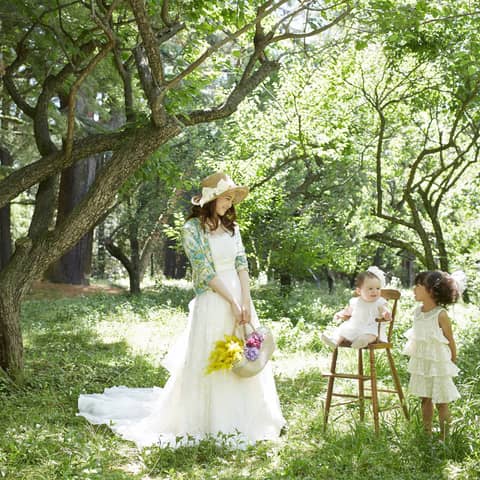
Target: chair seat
(375, 344)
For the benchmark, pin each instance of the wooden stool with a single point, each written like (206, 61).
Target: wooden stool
(391, 295)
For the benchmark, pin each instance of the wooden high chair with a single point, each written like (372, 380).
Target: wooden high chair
(361, 377)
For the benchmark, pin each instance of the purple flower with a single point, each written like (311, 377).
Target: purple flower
(251, 353)
(253, 342)
(255, 339)
(257, 336)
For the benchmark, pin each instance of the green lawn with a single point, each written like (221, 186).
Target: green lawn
(84, 344)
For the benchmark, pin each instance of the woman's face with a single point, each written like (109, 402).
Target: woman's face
(223, 203)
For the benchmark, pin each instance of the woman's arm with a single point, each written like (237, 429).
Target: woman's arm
(241, 265)
(246, 299)
(219, 287)
(446, 327)
(203, 269)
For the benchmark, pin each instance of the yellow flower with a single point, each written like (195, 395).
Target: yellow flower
(225, 354)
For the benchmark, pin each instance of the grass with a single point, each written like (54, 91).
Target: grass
(85, 344)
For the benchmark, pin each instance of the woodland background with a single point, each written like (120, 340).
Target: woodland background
(354, 123)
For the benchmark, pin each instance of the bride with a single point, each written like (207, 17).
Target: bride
(193, 405)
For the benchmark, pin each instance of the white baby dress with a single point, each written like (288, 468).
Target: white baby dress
(363, 320)
(193, 404)
(430, 366)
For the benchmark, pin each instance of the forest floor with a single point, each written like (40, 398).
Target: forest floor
(83, 339)
(43, 289)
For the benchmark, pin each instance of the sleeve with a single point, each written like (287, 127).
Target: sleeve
(241, 262)
(382, 303)
(202, 269)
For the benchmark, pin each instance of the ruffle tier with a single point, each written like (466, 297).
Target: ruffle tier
(421, 366)
(433, 352)
(434, 335)
(439, 389)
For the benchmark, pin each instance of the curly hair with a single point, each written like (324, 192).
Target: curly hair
(440, 285)
(207, 213)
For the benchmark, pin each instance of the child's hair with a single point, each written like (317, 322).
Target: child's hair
(361, 277)
(440, 285)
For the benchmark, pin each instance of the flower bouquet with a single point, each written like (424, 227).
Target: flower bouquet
(253, 344)
(225, 354)
(245, 357)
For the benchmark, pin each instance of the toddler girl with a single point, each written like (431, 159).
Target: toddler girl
(360, 326)
(431, 347)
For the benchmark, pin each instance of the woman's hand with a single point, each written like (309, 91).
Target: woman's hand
(246, 312)
(237, 312)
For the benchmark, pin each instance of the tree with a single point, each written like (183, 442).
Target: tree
(425, 98)
(173, 51)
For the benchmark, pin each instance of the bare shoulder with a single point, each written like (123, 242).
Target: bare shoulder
(443, 318)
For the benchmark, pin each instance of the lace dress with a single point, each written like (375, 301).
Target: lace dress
(430, 366)
(192, 403)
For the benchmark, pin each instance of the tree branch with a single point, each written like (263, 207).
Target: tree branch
(236, 96)
(149, 40)
(290, 35)
(262, 13)
(72, 97)
(396, 243)
(25, 177)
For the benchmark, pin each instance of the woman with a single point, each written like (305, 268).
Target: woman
(193, 404)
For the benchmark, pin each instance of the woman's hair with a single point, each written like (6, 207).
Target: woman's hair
(361, 277)
(207, 212)
(440, 285)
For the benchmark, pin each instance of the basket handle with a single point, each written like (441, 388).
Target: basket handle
(243, 329)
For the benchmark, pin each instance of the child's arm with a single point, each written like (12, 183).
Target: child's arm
(343, 314)
(385, 313)
(446, 327)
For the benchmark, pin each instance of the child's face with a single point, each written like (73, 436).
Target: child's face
(420, 293)
(370, 290)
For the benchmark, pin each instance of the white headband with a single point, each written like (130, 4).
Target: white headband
(379, 274)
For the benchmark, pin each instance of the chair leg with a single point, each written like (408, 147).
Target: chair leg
(398, 385)
(331, 379)
(373, 381)
(361, 390)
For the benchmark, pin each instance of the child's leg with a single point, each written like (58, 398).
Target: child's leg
(363, 340)
(331, 341)
(443, 418)
(427, 414)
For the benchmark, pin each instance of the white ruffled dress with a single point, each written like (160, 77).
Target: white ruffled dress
(430, 366)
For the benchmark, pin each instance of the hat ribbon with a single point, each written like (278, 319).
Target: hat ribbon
(209, 194)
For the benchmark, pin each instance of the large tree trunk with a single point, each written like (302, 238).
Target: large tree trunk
(11, 345)
(170, 258)
(101, 260)
(5, 232)
(13, 286)
(135, 272)
(74, 266)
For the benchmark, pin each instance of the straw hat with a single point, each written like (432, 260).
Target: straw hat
(217, 184)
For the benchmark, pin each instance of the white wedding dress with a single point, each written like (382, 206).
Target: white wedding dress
(193, 405)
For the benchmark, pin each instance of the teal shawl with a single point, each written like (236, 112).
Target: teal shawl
(197, 249)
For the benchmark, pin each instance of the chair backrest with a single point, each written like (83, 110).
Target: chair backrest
(394, 295)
